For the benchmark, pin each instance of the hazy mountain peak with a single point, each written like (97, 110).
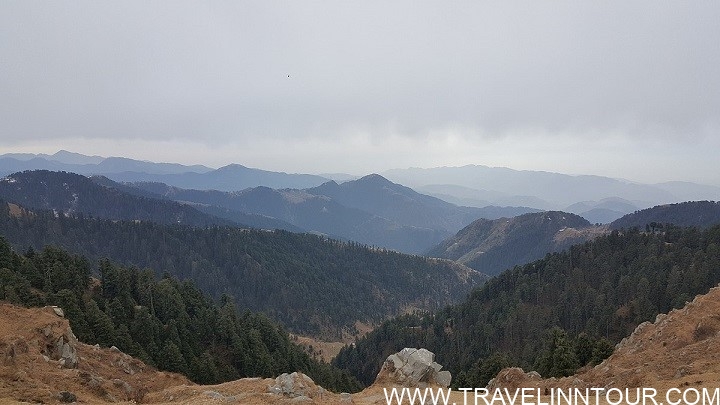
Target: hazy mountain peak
(232, 166)
(374, 178)
(68, 157)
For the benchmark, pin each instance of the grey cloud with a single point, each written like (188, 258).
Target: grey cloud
(218, 71)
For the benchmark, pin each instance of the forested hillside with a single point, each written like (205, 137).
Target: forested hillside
(310, 284)
(73, 194)
(491, 246)
(166, 323)
(308, 212)
(701, 214)
(218, 212)
(553, 314)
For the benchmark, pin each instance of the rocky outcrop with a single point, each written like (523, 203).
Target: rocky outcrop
(513, 378)
(60, 342)
(297, 386)
(412, 367)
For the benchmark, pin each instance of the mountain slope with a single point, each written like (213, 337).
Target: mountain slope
(44, 381)
(70, 193)
(377, 195)
(169, 324)
(160, 191)
(683, 345)
(302, 280)
(603, 288)
(309, 212)
(491, 246)
(701, 214)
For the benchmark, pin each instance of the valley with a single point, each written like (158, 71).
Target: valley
(330, 279)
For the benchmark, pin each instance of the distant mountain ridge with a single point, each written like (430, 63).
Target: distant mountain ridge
(232, 177)
(378, 195)
(558, 190)
(70, 193)
(370, 210)
(384, 225)
(307, 212)
(88, 165)
(100, 197)
(699, 214)
(471, 185)
(228, 178)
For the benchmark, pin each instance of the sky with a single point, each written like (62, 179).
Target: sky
(627, 89)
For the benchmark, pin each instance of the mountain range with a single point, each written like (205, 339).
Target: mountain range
(483, 185)
(228, 178)
(598, 199)
(71, 193)
(385, 224)
(370, 210)
(378, 213)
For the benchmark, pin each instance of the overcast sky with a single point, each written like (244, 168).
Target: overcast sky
(626, 89)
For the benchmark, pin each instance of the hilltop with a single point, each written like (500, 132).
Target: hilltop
(491, 246)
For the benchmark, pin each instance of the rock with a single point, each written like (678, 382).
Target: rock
(65, 351)
(513, 378)
(412, 367)
(214, 394)
(58, 311)
(220, 397)
(67, 397)
(443, 378)
(296, 385)
(127, 388)
(17, 347)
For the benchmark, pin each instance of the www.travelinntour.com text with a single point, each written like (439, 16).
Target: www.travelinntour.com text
(553, 396)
